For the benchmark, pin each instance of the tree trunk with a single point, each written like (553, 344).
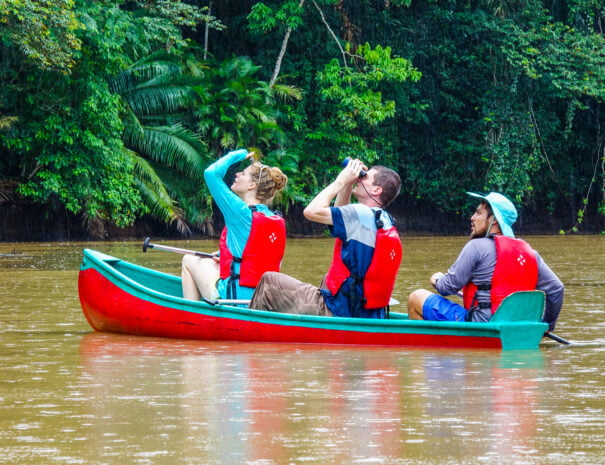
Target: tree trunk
(282, 52)
(206, 32)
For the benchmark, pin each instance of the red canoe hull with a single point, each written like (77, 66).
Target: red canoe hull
(108, 308)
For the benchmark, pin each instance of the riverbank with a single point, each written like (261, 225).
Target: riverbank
(24, 221)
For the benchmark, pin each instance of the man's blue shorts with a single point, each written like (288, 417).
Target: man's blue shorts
(438, 308)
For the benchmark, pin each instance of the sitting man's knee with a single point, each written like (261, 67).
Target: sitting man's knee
(269, 277)
(416, 303)
(416, 296)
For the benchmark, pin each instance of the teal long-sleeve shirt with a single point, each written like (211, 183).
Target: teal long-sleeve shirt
(237, 214)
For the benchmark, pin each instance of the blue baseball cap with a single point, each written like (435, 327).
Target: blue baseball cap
(504, 211)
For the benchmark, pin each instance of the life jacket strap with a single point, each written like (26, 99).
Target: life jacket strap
(377, 220)
(233, 279)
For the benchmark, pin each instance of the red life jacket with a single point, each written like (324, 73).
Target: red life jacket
(379, 279)
(263, 252)
(516, 270)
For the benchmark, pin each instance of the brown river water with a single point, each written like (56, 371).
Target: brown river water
(69, 395)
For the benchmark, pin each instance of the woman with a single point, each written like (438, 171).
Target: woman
(254, 238)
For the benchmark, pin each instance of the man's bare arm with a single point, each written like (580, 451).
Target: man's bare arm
(318, 209)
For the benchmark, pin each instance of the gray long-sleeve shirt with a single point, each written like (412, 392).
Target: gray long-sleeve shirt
(476, 264)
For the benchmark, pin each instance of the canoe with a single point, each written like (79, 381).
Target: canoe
(121, 297)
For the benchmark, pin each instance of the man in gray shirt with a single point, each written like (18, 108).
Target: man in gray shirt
(491, 263)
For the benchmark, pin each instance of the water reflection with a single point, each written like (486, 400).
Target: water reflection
(292, 403)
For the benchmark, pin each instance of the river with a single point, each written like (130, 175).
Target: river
(69, 395)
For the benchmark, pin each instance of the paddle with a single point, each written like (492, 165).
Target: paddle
(554, 337)
(247, 302)
(226, 301)
(147, 244)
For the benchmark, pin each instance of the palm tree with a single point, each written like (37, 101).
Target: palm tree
(156, 95)
(235, 109)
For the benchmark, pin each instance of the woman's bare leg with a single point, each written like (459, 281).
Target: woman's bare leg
(199, 278)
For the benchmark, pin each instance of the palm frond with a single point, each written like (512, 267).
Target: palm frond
(141, 72)
(159, 99)
(154, 194)
(192, 194)
(261, 115)
(173, 146)
(287, 93)
(7, 121)
(227, 140)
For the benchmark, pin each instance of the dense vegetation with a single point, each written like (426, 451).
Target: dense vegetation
(111, 110)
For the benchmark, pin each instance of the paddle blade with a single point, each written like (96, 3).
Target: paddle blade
(147, 244)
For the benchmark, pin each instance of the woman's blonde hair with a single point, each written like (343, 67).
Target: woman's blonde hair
(269, 181)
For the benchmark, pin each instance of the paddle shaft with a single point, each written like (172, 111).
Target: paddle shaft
(147, 244)
(233, 302)
(247, 302)
(226, 301)
(554, 337)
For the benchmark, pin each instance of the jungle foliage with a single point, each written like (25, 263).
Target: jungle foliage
(112, 109)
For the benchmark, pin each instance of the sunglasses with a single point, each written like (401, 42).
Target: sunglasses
(261, 167)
